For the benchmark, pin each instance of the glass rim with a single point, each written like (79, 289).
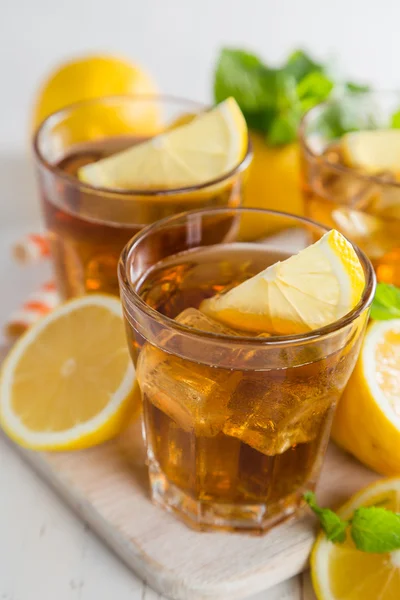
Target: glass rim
(343, 169)
(162, 98)
(275, 340)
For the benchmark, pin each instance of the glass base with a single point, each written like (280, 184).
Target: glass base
(200, 515)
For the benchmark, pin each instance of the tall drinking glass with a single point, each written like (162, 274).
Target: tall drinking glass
(365, 207)
(236, 426)
(88, 226)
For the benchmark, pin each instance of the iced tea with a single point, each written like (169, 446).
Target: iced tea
(88, 226)
(363, 207)
(236, 427)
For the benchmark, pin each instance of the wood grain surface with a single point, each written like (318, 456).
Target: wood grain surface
(108, 488)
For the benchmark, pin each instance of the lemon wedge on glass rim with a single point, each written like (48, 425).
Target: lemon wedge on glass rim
(309, 290)
(204, 149)
(68, 382)
(372, 151)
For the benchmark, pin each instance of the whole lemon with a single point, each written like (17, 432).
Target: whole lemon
(91, 77)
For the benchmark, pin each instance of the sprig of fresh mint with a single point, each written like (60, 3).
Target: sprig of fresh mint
(334, 527)
(386, 303)
(273, 100)
(372, 528)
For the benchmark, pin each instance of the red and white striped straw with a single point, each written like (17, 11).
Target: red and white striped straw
(37, 305)
(31, 249)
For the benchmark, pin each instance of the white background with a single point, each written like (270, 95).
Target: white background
(45, 553)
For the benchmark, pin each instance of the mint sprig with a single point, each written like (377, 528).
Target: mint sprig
(372, 528)
(273, 100)
(386, 303)
(331, 523)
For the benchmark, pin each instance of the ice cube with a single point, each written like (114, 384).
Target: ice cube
(192, 394)
(272, 416)
(388, 201)
(201, 349)
(196, 319)
(345, 188)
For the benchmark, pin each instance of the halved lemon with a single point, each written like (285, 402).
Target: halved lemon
(367, 421)
(372, 151)
(206, 148)
(311, 289)
(341, 572)
(68, 382)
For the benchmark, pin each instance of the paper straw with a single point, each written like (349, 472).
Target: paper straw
(31, 249)
(37, 305)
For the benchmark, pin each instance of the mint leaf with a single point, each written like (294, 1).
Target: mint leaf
(243, 75)
(260, 121)
(283, 128)
(356, 88)
(375, 529)
(332, 123)
(286, 96)
(386, 303)
(299, 65)
(344, 115)
(331, 523)
(313, 89)
(395, 121)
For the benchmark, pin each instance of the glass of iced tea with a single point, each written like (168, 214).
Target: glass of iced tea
(236, 424)
(351, 173)
(88, 226)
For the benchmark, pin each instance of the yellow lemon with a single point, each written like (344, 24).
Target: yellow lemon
(340, 571)
(367, 421)
(95, 77)
(204, 149)
(309, 290)
(273, 182)
(69, 382)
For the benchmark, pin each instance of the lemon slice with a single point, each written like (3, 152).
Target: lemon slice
(68, 382)
(206, 148)
(367, 422)
(311, 289)
(340, 571)
(372, 151)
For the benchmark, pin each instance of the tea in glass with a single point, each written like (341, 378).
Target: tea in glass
(357, 194)
(236, 425)
(88, 226)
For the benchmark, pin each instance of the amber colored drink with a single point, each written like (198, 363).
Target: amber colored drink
(236, 429)
(88, 226)
(85, 250)
(365, 208)
(257, 435)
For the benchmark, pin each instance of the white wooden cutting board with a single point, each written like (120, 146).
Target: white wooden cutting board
(108, 488)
